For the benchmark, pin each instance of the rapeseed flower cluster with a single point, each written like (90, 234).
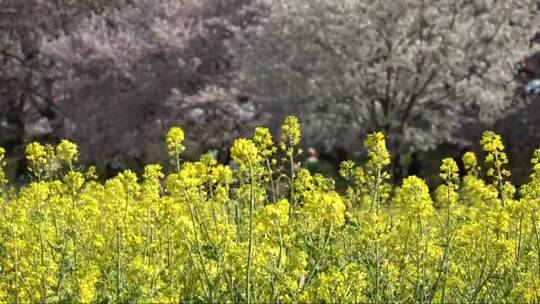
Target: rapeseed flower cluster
(245, 153)
(470, 163)
(66, 151)
(174, 140)
(496, 157)
(267, 230)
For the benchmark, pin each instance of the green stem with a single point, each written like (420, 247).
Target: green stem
(117, 226)
(273, 187)
(375, 195)
(250, 240)
(44, 275)
(177, 161)
(291, 183)
(198, 245)
(278, 266)
(16, 266)
(499, 180)
(319, 259)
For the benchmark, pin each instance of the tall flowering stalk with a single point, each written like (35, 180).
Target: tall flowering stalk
(447, 193)
(245, 153)
(378, 159)
(265, 145)
(174, 139)
(415, 209)
(496, 158)
(290, 138)
(357, 180)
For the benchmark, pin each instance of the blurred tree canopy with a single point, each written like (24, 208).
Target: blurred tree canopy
(415, 69)
(114, 75)
(29, 104)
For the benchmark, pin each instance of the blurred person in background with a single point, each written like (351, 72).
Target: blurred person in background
(312, 160)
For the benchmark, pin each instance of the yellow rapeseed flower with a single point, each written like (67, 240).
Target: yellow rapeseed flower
(449, 171)
(470, 163)
(264, 142)
(244, 152)
(66, 151)
(291, 131)
(36, 153)
(175, 138)
(378, 155)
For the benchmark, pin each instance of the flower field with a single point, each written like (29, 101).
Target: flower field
(269, 231)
